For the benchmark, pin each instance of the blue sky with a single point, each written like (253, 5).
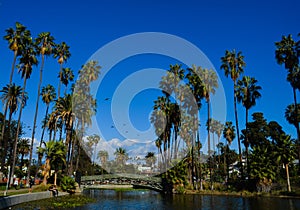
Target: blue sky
(213, 26)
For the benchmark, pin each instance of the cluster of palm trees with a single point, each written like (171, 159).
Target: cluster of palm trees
(70, 111)
(176, 113)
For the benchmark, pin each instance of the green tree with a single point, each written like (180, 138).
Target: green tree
(12, 98)
(285, 153)
(291, 116)
(16, 38)
(55, 152)
(229, 135)
(233, 65)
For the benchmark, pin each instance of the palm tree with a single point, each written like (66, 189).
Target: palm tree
(285, 154)
(55, 152)
(63, 54)
(48, 95)
(247, 93)
(44, 46)
(66, 77)
(291, 116)
(229, 135)
(23, 148)
(287, 52)
(16, 38)
(63, 110)
(27, 61)
(233, 65)
(12, 98)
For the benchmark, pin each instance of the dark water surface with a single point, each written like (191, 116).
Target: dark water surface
(110, 199)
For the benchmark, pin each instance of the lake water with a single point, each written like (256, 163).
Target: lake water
(110, 199)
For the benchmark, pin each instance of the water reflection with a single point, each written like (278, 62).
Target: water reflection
(110, 199)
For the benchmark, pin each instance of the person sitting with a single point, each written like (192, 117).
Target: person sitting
(54, 190)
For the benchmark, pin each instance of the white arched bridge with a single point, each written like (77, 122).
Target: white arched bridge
(135, 180)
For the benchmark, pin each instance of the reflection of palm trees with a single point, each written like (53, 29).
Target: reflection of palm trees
(150, 159)
(121, 157)
(103, 156)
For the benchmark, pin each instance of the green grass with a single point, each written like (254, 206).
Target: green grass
(68, 201)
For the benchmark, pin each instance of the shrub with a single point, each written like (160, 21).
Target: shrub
(68, 184)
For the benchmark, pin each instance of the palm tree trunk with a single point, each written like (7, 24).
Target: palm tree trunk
(13, 67)
(59, 82)
(288, 177)
(44, 126)
(17, 136)
(3, 142)
(208, 138)
(5, 110)
(237, 130)
(35, 118)
(297, 128)
(247, 144)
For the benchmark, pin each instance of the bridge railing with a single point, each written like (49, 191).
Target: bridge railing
(121, 176)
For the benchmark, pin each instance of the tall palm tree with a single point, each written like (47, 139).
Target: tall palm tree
(285, 154)
(288, 52)
(195, 84)
(233, 65)
(66, 76)
(12, 98)
(229, 135)
(247, 93)
(44, 47)
(63, 54)
(48, 95)
(16, 38)
(27, 61)
(63, 110)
